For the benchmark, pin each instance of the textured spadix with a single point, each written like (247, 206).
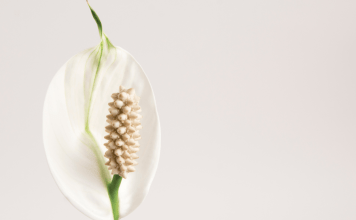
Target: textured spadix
(74, 122)
(124, 126)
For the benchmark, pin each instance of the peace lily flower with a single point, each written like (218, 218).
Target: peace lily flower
(75, 126)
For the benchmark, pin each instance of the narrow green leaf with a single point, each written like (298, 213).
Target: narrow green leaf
(97, 20)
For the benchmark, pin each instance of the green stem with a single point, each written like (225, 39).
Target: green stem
(113, 191)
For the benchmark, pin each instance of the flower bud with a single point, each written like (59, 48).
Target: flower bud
(125, 137)
(121, 130)
(114, 135)
(126, 109)
(109, 154)
(127, 123)
(116, 124)
(118, 104)
(130, 130)
(131, 91)
(118, 152)
(122, 117)
(123, 96)
(114, 96)
(133, 115)
(134, 156)
(114, 111)
(112, 145)
(119, 142)
(130, 169)
(130, 142)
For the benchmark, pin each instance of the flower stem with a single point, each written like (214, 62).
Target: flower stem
(113, 191)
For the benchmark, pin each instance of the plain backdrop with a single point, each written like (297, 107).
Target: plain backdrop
(256, 101)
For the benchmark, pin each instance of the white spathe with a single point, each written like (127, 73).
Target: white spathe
(74, 121)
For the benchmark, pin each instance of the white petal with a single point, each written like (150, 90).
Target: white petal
(74, 123)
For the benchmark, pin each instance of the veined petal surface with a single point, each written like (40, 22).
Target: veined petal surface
(74, 121)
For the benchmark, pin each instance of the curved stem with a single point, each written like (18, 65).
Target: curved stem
(113, 191)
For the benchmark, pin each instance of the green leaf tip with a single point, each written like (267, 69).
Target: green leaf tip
(97, 20)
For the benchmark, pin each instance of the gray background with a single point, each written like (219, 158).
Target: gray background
(256, 100)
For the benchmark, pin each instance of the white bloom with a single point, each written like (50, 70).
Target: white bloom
(74, 121)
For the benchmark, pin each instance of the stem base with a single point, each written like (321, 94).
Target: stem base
(113, 191)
